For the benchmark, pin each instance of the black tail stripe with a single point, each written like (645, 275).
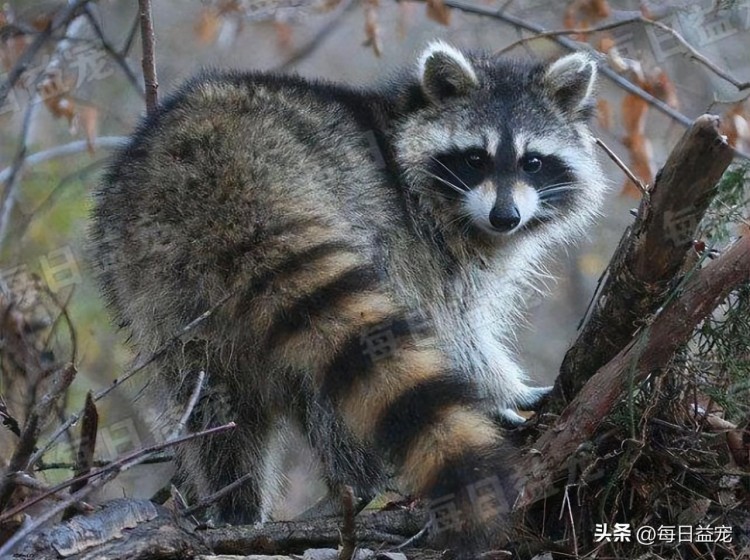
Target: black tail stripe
(367, 348)
(323, 299)
(487, 471)
(417, 410)
(293, 264)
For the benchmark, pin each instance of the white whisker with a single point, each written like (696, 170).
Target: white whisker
(449, 170)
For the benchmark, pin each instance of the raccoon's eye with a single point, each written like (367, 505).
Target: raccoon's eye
(531, 164)
(477, 159)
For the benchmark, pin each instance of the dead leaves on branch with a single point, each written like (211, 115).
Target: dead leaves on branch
(223, 20)
(50, 80)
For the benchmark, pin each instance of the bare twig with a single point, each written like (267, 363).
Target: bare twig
(216, 496)
(24, 220)
(63, 315)
(107, 474)
(113, 469)
(348, 526)
(13, 179)
(31, 430)
(64, 150)
(320, 37)
(27, 481)
(67, 466)
(567, 32)
(694, 53)
(573, 46)
(72, 148)
(8, 420)
(130, 39)
(191, 405)
(149, 56)
(61, 19)
(128, 375)
(119, 59)
(625, 169)
(73, 25)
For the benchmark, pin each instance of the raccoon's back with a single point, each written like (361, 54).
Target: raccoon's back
(230, 176)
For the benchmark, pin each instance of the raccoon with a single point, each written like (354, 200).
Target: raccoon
(364, 253)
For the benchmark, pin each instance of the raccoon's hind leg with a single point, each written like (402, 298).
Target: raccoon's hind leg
(210, 463)
(344, 462)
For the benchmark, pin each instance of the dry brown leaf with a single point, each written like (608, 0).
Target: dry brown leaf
(604, 114)
(735, 125)
(660, 86)
(599, 8)
(634, 110)
(61, 106)
(89, 118)
(605, 44)
(207, 27)
(329, 5)
(581, 14)
(439, 12)
(406, 12)
(372, 29)
(641, 157)
(283, 34)
(55, 93)
(11, 50)
(569, 19)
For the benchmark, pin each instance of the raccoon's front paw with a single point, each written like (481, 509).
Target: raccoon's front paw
(509, 418)
(533, 397)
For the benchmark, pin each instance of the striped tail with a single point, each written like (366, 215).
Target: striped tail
(381, 371)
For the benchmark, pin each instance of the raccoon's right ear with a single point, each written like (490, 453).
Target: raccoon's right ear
(445, 73)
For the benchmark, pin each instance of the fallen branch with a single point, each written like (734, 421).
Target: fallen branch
(650, 255)
(73, 418)
(649, 353)
(153, 533)
(115, 467)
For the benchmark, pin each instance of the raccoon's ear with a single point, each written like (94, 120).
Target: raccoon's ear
(444, 72)
(569, 82)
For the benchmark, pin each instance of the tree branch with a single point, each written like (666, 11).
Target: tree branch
(650, 255)
(149, 57)
(31, 431)
(648, 354)
(61, 19)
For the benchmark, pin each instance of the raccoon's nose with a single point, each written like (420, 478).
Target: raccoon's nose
(505, 219)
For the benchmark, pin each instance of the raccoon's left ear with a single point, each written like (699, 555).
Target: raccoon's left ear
(569, 81)
(445, 73)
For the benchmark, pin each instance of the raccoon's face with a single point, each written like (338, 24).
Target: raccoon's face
(500, 147)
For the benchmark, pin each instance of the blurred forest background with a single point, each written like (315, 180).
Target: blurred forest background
(78, 97)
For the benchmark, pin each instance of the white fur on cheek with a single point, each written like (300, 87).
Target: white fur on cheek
(527, 202)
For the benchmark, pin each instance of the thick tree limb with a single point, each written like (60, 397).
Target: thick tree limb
(647, 354)
(140, 530)
(650, 255)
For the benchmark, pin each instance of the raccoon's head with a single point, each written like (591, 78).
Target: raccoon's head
(501, 147)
